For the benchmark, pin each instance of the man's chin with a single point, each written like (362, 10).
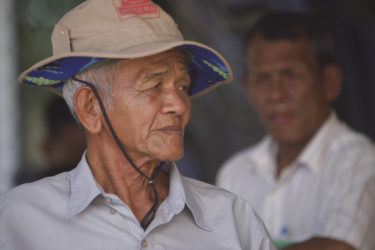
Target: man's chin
(172, 158)
(283, 136)
(287, 140)
(170, 154)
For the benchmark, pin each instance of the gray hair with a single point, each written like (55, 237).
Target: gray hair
(101, 75)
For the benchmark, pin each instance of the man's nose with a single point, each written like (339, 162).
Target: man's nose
(277, 91)
(175, 102)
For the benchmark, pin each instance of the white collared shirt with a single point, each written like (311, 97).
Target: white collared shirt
(328, 191)
(71, 211)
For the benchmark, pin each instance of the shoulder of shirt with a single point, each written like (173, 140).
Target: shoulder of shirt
(241, 159)
(44, 191)
(215, 203)
(216, 207)
(201, 190)
(342, 150)
(345, 138)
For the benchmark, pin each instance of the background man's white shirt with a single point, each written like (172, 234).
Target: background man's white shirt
(328, 191)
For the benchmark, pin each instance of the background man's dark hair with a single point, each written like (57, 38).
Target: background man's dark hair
(278, 25)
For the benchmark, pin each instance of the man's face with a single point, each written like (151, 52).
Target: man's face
(151, 106)
(286, 88)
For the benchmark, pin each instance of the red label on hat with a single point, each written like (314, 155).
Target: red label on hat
(136, 8)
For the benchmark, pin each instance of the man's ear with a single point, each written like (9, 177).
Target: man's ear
(332, 81)
(87, 109)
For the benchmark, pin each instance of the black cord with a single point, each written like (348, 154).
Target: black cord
(147, 219)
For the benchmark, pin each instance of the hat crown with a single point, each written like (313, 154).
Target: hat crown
(113, 26)
(121, 29)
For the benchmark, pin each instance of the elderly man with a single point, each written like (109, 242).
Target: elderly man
(128, 76)
(312, 179)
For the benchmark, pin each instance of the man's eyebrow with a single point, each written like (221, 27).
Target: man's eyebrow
(151, 75)
(154, 74)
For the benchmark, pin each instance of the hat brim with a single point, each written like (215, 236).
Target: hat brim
(208, 69)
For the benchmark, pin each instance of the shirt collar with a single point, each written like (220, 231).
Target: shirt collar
(314, 153)
(83, 188)
(263, 156)
(181, 190)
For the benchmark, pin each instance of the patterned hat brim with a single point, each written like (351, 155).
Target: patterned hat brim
(208, 69)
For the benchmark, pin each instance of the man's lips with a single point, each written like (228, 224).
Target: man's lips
(281, 119)
(173, 130)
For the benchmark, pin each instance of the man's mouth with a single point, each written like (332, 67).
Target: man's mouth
(172, 130)
(281, 119)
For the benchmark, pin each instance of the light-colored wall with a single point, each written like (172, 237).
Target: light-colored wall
(9, 133)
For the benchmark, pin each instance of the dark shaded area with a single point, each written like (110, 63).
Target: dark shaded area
(63, 144)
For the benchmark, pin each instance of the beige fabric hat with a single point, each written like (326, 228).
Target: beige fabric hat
(102, 29)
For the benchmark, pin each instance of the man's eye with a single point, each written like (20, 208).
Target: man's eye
(184, 88)
(261, 78)
(289, 73)
(155, 86)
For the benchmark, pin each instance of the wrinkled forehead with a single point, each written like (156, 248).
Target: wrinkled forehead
(172, 59)
(178, 55)
(263, 52)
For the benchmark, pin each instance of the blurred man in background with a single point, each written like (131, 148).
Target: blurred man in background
(64, 143)
(312, 178)
(62, 146)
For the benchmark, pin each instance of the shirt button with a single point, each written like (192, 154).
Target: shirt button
(144, 243)
(108, 200)
(112, 211)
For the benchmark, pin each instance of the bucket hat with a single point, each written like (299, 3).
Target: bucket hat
(97, 30)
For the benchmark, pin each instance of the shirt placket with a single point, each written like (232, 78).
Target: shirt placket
(274, 210)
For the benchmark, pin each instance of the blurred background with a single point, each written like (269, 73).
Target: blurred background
(222, 121)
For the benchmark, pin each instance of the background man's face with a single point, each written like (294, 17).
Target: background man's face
(151, 106)
(286, 88)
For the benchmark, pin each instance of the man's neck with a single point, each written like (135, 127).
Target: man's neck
(286, 155)
(116, 176)
(288, 152)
